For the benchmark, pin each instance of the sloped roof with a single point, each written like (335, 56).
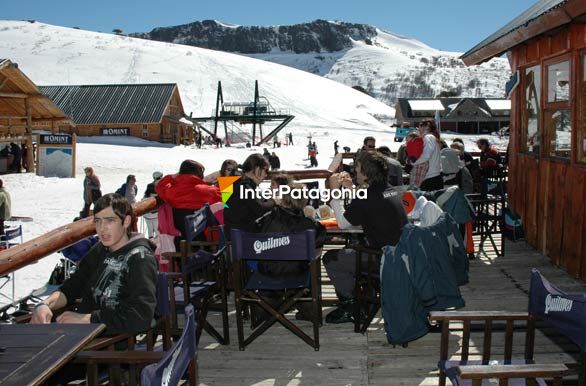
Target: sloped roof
(112, 103)
(527, 25)
(499, 104)
(15, 82)
(490, 106)
(425, 104)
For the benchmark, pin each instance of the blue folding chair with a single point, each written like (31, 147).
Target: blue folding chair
(566, 313)
(6, 242)
(202, 270)
(251, 287)
(181, 358)
(175, 359)
(563, 312)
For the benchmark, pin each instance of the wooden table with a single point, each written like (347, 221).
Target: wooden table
(34, 352)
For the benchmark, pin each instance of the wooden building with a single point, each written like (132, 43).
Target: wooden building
(150, 111)
(546, 47)
(461, 115)
(23, 108)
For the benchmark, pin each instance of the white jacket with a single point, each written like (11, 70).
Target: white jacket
(431, 153)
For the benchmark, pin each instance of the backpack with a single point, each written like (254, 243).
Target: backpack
(513, 226)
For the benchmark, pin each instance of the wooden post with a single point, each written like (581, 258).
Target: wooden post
(74, 154)
(30, 159)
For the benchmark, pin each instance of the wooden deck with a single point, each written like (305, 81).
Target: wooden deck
(278, 358)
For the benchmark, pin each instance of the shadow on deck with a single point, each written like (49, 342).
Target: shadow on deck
(278, 358)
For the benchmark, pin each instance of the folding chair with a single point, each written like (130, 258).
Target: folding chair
(366, 287)
(168, 367)
(202, 280)
(6, 242)
(495, 181)
(488, 216)
(565, 313)
(251, 290)
(138, 355)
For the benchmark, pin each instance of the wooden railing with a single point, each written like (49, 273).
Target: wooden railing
(29, 252)
(57, 239)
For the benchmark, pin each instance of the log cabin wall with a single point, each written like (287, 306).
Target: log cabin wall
(547, 181)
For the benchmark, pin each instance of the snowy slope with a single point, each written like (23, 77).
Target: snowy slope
(52, 55)
(387, 65)
(393, 66)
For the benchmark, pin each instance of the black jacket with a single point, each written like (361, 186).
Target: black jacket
(117, 288)
(284, 220)
(243, 213)
(381, 215)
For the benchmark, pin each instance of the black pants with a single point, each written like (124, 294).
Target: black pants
(433, 183)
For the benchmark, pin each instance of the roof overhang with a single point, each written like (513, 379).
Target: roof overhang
(554, 18)
(15, 86)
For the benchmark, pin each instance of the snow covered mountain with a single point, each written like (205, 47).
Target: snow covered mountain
(52, 55)
(384, 64)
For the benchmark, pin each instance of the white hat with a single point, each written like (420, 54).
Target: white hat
(157, 175)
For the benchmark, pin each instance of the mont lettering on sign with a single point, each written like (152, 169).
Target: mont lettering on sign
(55, 139)
(115, 131)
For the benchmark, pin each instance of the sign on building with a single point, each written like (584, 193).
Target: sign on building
(115, 131)
(56, 155)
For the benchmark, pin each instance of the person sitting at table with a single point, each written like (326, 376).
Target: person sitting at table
(381, 216)
(116, 280)
(242, 212)
(287, 216)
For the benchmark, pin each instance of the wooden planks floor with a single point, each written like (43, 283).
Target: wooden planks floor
(279, 358)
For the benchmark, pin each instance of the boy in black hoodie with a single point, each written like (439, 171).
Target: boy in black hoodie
(116, 280)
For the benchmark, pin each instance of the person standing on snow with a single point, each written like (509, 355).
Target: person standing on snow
(91, 191)
(151, 218)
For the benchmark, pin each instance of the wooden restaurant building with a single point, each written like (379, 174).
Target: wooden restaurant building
(150, 111)
(546, 47)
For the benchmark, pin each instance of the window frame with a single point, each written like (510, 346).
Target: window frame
(548, 132)
(580, 108)
(523, 113)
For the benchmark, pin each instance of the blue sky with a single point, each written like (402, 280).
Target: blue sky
(452, 25)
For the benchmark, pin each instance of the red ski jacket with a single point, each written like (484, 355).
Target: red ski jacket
(186, 191)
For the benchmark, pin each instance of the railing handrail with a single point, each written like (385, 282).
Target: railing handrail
(30, 251)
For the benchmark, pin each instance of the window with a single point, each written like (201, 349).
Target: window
(558, 82)
(560, 134)
(532, 109)
(558, 113)
(581, 121)
(145, 131)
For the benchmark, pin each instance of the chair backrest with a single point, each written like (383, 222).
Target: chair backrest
(273, 246)
(197, 222)
(313, 185)
(11, 234)
(565, 312)
(169, 370)
(163, 299)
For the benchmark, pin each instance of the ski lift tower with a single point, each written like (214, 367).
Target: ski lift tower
(259, 112)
